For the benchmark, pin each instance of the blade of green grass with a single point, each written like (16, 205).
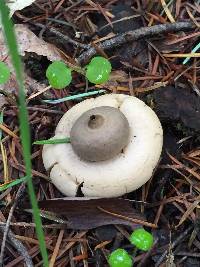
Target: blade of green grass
(193, 51)
(1, 121)
(23, 120)
(52, 141)
(73, 97)
(4, 187)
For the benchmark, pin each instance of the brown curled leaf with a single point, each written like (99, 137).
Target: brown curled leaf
(91, 213)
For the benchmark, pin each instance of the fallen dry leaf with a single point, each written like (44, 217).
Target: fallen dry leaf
(28, 42)
(15, 5)
(92, 213)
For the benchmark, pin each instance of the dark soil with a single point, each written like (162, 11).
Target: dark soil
(170, 200)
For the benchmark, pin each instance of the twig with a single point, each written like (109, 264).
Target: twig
(19, 246)
(45, 110)
(5, 229)
(61, 35)
(68, 39)
(143, 32)
(135, 221)
(178, 240)
(46, 226)
(188, 254)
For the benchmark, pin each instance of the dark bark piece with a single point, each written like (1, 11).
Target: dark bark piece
(178, 104)
(106, 232)
(87, 214)
(125, 19)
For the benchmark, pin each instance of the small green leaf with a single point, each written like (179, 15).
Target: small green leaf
(98, 70)
(4, 73)
(120, 258)
(58, 75)
(142, 239)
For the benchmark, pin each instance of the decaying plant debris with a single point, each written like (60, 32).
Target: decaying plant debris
(147, 43)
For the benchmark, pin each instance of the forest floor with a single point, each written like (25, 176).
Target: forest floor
(154, 64)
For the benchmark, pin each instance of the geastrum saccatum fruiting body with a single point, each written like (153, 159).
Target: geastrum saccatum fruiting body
(116, 142)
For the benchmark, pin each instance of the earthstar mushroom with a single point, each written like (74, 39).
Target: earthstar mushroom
(100, 133)
(116, 142)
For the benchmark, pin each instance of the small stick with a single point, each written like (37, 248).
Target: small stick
(135, 221)
(178, 240)
(19, 247)
(143, 32)
(67, 38)
(61, 35)
(7, 233)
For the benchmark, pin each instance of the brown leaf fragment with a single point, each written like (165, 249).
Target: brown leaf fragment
(86, 214)
(28, 42)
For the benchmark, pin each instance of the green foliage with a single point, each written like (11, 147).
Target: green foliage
(52, 141)
(98, 70)
(23, 121)
(120, 258)
(12, 183)
(1, 122)
(141, 239)
(4, 73)
(58, 75)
